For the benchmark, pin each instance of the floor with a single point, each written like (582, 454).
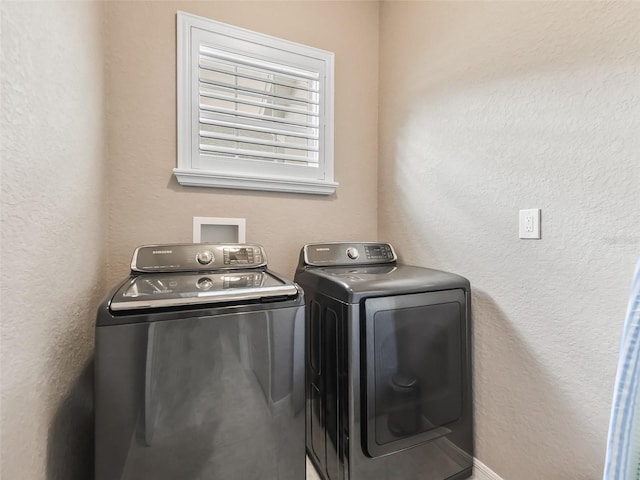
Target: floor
(313, 475)
(311, 472)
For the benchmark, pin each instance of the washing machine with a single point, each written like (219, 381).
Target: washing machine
(199, 368)
(388, 386)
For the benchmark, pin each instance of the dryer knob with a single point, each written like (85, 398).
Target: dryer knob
(352, 253)
(204, 258)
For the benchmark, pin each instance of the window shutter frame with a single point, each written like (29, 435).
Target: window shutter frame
(228, 134)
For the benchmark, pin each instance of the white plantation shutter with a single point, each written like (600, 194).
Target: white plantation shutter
(257, 110)
(254, 111)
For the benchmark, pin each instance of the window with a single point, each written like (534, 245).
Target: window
(254, 112)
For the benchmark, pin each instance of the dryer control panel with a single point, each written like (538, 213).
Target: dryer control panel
(348, 253)
(195, 257)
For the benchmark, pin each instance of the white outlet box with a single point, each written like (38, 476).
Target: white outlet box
(219, 230)
(529, 223)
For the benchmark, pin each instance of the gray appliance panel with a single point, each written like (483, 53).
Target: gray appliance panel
(206, 396)
(447, 457)
(414, 368)
(353, 284)
(347, 253)
(338, 420)
(196, 257)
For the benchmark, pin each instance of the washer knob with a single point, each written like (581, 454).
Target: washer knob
(204, 283)
(352, 253)
(204, 258)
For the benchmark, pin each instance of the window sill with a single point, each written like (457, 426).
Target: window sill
(203, 178)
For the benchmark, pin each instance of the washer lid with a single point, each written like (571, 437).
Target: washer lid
(158, 290)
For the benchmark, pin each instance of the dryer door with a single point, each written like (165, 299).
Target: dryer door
(414, 351)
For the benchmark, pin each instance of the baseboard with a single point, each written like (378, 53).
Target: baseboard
(482, 472)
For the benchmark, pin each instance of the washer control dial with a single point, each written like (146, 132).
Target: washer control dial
(352, 253)
(204, 283)
(205, 257)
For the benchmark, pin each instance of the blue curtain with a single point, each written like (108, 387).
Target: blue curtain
(623, 447)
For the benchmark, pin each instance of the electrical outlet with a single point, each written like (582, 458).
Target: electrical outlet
(529, 223)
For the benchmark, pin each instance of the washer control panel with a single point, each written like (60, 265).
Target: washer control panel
(348, 253)
(195, 257)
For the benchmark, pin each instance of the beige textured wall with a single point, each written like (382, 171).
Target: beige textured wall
(485, 108)
(147, 204)
(490, 107)
(53, 235)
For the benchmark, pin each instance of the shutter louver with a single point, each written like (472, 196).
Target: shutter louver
(255, 110)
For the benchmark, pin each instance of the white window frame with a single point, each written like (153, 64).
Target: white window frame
(195, 169)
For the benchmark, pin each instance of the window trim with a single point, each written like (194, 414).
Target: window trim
(271, 178)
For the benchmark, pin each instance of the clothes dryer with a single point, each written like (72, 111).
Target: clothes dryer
(199, 368)
(388, 384)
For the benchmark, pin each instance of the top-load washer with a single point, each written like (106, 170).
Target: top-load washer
(388, 366)
(199, 368)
